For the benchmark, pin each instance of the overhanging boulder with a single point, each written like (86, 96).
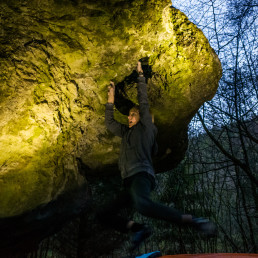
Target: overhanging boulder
(57, 58)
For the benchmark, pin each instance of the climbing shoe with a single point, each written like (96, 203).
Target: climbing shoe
(205, 227)
(140, 236)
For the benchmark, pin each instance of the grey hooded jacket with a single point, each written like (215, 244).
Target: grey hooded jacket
(138, 142)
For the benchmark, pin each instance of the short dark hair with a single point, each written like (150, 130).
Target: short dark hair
(135, 107)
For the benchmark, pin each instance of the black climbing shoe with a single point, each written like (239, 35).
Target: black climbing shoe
(205, 227)
(140, 236)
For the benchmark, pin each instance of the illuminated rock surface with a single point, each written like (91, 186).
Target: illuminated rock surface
(57, 58)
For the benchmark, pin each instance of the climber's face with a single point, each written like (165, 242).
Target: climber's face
(134, 117)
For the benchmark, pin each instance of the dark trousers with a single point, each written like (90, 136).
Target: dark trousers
(136, 193)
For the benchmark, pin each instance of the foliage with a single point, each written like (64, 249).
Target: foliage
(227, 160)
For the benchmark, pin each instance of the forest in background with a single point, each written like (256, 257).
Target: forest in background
(219, 177)
(223, 137)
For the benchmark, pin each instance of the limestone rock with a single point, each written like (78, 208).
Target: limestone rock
(57, 58)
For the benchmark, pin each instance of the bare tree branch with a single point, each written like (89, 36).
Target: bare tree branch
(228, 155)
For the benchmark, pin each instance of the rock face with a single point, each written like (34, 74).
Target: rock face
(57, 58)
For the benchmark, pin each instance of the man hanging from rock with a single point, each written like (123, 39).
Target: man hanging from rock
(135, 163)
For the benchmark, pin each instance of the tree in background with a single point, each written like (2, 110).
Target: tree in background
(227, 161)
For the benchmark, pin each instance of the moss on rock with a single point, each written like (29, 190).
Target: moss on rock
(57, 58)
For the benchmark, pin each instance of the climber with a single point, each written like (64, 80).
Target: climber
(135, 163)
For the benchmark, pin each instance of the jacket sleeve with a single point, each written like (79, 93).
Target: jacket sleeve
(145, 116)
(112, 125)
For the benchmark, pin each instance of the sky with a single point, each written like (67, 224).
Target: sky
(234, 41)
